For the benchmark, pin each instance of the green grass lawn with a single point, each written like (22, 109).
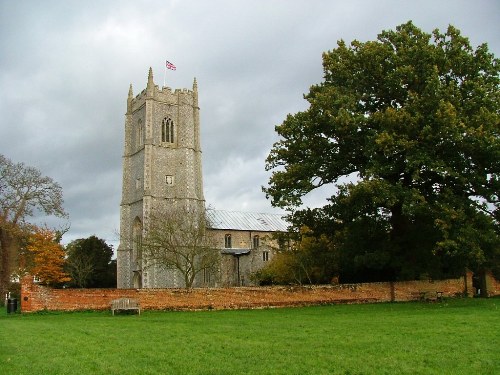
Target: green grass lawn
(451, 337)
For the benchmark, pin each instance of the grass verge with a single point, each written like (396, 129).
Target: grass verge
(451, 337)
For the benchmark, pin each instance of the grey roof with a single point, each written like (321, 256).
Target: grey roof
(236, 220)
(236, 252)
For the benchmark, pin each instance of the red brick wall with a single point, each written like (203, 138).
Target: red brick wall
(35, 297)
(492, 285)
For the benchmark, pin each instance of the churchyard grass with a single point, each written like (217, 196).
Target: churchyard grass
(450, 337)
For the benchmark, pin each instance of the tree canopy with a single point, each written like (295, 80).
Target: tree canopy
(90, 264)
(24, 191)
(49, 257)
(411, 122)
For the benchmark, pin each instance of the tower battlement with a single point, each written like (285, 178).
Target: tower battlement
(166, 95)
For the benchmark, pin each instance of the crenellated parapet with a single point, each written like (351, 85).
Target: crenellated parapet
(163, 95)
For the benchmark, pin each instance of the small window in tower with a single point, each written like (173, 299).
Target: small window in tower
(206, 275)
(138, 184)
(265, 256)
(227, 241)
(256, 242)
(167, 130)
(169, 180)
(140, 133)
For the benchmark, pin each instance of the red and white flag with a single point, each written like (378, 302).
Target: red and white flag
(169, 65)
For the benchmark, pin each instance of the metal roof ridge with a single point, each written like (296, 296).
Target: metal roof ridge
(245, 212)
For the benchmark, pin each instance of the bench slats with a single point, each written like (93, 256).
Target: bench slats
(125, 304)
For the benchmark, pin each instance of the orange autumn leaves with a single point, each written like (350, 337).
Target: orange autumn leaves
(49, 257)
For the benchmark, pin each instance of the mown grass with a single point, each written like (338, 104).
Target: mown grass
(452, 337)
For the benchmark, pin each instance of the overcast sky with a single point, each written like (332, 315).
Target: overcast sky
(66, 66)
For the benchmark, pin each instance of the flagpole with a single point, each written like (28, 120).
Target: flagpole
(165, 75)
(168, 65)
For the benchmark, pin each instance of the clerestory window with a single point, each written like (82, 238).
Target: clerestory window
(256, 242)
(227, 241)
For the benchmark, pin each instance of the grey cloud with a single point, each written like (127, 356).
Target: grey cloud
(65, 69)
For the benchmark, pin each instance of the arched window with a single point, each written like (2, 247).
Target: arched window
(256, 241)
(140, 133)
(167, 130)
(227, 241)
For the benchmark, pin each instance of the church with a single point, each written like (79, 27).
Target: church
(162, 167)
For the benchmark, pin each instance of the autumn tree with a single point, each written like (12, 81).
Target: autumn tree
(48, 257)
(90, 263)
(405, 132)
(23, 193)
(177, 239)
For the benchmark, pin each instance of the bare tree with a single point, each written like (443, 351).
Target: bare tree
(81, 268)
(23, 192)
(178, 239)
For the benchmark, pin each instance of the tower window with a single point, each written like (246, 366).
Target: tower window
(256, 242)
(140, 133)
(167, 130)
(169, 180)
(265, 256)
(227, 241)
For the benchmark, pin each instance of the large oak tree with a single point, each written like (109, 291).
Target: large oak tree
(411, 122)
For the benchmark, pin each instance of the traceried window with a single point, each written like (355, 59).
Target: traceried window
(167, 130)
(265, 256)
(256, 242)
(206, 275)
(138, 246)
(140, 133)
(227, 241)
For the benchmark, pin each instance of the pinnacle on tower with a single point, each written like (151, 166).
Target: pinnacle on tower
(195, 85)
(130, 98)
(151, 85)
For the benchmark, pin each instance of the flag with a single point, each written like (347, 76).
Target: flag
(169, 65)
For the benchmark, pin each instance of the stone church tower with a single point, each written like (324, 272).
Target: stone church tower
(161, 168)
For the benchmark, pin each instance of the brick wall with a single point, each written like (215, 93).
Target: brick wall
(35, 297)
(492, 285)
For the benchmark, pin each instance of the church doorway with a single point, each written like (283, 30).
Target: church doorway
(137, 280)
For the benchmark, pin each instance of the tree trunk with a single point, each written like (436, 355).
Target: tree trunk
(399, 231)
(6, 260)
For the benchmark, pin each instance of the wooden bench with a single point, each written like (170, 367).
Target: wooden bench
(425, 295)
(125, 304)
(419, 296)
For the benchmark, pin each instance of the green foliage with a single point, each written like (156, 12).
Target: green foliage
(309, 260)
(397, 338)
(89, 263)
(411, 120)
